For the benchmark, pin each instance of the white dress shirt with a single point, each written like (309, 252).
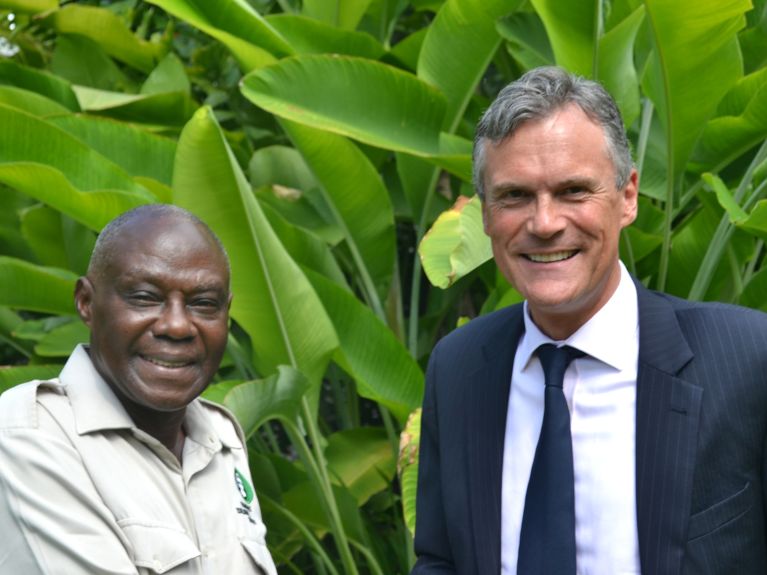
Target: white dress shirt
(601, 393)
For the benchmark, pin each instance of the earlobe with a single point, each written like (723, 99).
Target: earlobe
(84, 299)
(630, 199)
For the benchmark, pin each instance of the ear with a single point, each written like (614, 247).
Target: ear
(84, 299)
(485, 216)
(630, 199)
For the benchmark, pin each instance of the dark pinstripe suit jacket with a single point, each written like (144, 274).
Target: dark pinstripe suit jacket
(700, 441)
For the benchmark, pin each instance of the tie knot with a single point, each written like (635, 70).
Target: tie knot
(555, 361)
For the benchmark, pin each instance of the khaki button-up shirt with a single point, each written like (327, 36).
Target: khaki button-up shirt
(85, 492)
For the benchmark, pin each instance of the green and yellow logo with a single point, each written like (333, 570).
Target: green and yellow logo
(244, 487)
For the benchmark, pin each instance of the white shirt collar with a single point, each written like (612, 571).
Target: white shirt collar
(619, 318)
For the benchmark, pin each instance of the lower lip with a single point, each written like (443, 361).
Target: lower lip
(165, 367)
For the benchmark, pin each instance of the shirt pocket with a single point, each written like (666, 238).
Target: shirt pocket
(158, 547)
(257, 551)
(719, 514)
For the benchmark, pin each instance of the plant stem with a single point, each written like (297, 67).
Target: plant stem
(308, 536)
(323, 482)
(415, 281)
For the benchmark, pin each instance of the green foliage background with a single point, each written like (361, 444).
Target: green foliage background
(328, 143)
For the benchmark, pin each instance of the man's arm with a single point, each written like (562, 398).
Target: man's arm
(52, 520)
(432, 546)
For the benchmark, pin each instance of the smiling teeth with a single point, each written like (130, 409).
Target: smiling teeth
(170, 364)
(548, 258)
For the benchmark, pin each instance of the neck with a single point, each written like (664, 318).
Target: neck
(167, 429)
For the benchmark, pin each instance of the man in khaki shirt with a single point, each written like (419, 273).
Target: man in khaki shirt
(116, 467)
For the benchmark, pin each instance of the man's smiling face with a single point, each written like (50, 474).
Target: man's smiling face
(554, 216)
(158, 313)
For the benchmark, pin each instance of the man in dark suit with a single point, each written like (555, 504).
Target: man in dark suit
(659, 462)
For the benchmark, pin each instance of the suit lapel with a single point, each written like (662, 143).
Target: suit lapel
(487, 403)
(667, 416)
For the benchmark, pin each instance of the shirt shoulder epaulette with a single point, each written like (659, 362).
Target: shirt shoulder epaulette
(226, 424)
(19, 404)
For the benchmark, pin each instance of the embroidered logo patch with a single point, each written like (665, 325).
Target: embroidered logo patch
(244, 487)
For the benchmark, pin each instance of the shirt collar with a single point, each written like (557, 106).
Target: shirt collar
(97, 408)
(607, 336)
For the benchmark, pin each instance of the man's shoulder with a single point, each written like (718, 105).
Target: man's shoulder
(19, 405)
(223, 421)
(712, 312)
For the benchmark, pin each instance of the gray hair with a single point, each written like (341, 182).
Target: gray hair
(108, 243)
(538, 94)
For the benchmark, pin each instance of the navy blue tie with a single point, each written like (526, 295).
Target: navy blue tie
(547, 538)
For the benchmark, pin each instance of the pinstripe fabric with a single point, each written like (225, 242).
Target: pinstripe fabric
(700, 442)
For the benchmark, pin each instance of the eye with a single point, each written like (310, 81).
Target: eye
(205, 305)
(574, 191)
(141, 298)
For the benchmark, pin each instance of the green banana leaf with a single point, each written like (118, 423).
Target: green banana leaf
(381, 366)
(616, 70)
(168, 76)
(407, 466)
(27, 140)
(169, 109)
(573, 31)
(255, 402)
(381, 105)
(30, 6)
(234, 23)
(695, 61)
(26, 286)
(306, 249)
(30, 102)
(528, 42)
(60, 341)
(740, 125)
(273, 301)
(456, 244)
(361, 460)
(343, 14)
(357, 197)
(42, 83)
(109, 31)
(138, 152)
(10, 376)
(308, 36)
(458, 48)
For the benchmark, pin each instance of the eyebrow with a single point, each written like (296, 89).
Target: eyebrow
(510, 186)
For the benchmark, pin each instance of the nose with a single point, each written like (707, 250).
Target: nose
(174, 321)
(545, 220)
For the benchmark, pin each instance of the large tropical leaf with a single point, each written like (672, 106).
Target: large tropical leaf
(456, 244)
(256, 402)
(35, 288)
(138, 152)
(573, 32)
(740, 125)
(694, 63)
(380, 105)
(24, 138)
(10, 376)
(357, 197)
(344, 14)
(110, 32)
(31, 6)
(273, 301)
(235, 24)
(308, 36)
(616, 69)
(361, 460)
(30, 102)
(42, 83)
(407, 466)
(383, 369)
(458, 48)
(167, 109)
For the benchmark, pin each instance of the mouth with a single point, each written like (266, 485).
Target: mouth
(167, 363)
(551, 257)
